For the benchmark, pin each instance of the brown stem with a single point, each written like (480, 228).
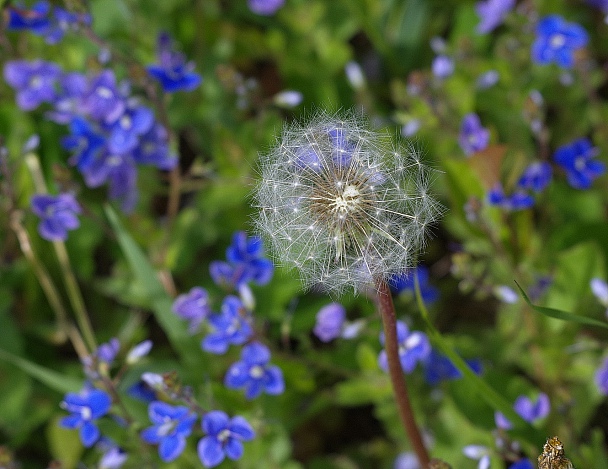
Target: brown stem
(389, 321)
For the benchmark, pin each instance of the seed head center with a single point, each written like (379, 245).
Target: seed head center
(347, 201)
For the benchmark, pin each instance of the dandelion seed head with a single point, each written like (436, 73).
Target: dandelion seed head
(341, 204)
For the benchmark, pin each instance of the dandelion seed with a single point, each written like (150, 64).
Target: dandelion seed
(339, 202)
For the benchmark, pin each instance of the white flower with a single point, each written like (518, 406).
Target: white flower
(340, 203)
(480, 453)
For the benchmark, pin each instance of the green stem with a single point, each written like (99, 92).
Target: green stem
(73, 290)
(74, 294)
(391, 345)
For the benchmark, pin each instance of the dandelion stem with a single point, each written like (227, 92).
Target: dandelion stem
(389, 321)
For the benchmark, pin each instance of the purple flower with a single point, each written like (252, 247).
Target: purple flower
(536, 177)
(600, 4)
(406, 461)
(231, 326)
(487, 80)
(330, 320)
(522, 464)
(107, 352)
(601, 377)
(85, 407)
(473, 137)
(557, 41)
(126, 130)
(113, 458)
(171, 426)
(138, 352)
(492, 13)
(246, 262)
(438, 367)
(193, 306)
(103, 101)
(172, 71)
(576, 158)
(414, 347)
(254, 374)
(119, 172)
(224, 437)
(34, 81)
(60, 22)
(153, 149)
(68, 102)
(142, 391)
(84, 142)
(288, 99)
(57, 214)
(519, 200)
(265, 7)
(34, 19)
(600, 290)
(526, 409)
(406, 282)
(442, 66)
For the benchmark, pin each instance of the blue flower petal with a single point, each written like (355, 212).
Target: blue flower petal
(89, 434)
(171, 447)
(210, 451)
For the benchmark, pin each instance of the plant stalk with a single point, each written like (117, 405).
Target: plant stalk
(389, 321)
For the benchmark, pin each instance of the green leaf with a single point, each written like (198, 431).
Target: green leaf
(64, 444)
(158, 299)
(563, 315)
(57, 381)
(477, 384)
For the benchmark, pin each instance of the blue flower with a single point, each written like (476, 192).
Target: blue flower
(57, 214)
(265, 7)
(193, 306)
(330, 320)
(522, 464)
(119, 172)
(153, 149)
(473, 137)
(224, 437)
(84, 142)
(60, 22)
(526, 409)
(405, 282)
(599, 288)
(519, 200)
(113, 456)
(536, 177)
(557, 41)
(68, 102)
(576, 158)
(172, 424)
(414, 347)
(85, 408)
(254, 374)
(442, 66)
(601, 377)
(127, 129)
(142, 391)
(600, 4)
(438, 367)
(34, 81)
(172, 71)
(107, 352)
(35, 19)
(492, 13)
(246, 263)
(231, 326)
(103, 101)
